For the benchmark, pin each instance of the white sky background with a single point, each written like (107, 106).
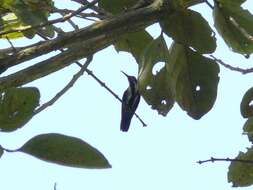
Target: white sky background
(161, 156)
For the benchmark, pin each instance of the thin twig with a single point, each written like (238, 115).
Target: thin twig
(80, 15)
(113, 93)
(8, 150)
(238, 69)
(209, 4)
(62, 19)
(12, 46)
(225, 160)
(66, 88)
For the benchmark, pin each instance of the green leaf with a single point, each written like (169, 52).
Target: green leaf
(232, 3)
(194, 80)
(116, 6)
(1, 151)
(16, 107)
(155, 88)
(30, 13)
(240, 173)
(134, 43)
(11, 22)
(246, 107)
(65, 150)
(191, 29)
(248, 129)
(235, 25)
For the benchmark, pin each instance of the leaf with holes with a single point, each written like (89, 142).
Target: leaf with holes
(155, 86)
(65, 150)
(191, 29)
(116, 6)
(240, 173)
(134, 43)
(248, 129)
(16, 107)
(194, 80)
(235, 25)
(246, 107)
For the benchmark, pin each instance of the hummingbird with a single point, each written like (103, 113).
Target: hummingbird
(130, 101)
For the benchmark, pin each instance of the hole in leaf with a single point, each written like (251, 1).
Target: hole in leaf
(197, 88)
(251, 103)
(164, 102)
(148, 87)
(157, 67)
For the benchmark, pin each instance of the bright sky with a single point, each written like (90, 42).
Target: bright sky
(161, 156)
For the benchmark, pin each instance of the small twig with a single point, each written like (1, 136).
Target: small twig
(62, 19)
(66, 88)
(12, 46)
(225, 160)
(238, 69)
(55, 186)
(209, 4)
(8, 150)
(80, 15)
(113, 93)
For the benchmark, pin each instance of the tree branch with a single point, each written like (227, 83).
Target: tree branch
(238, 69)
(116, 26)
(54, 64)
(225, 160)
(66, 88)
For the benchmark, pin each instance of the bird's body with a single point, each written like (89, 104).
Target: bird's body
(130, 101)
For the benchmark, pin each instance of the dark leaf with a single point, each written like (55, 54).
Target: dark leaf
(194, 80)
(134, 43)
(65, 150)
(248, 129)
(191, 29)
(235, 25)
(246, 107)
(17, 106)
(116, 6)
(154, 86)
(240, 173)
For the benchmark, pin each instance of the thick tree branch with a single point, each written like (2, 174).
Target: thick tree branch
(116, 26)
(55, 63)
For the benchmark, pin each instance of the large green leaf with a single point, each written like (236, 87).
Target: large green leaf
(65, 150)
(248, 129)
(191, 29)
(31, 12)
(246, 106)
(116, 6)
(134, 43)
(194, 80)
(155, 88)
(235, 25)
(241, 173)
(17, 106)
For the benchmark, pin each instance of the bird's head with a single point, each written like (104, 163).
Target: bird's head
(131, 79)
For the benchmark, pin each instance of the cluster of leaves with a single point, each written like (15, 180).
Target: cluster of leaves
(17, 106)
(188, 77)
(20, 14)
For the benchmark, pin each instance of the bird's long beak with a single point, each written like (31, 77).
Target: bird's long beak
(125, 74)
